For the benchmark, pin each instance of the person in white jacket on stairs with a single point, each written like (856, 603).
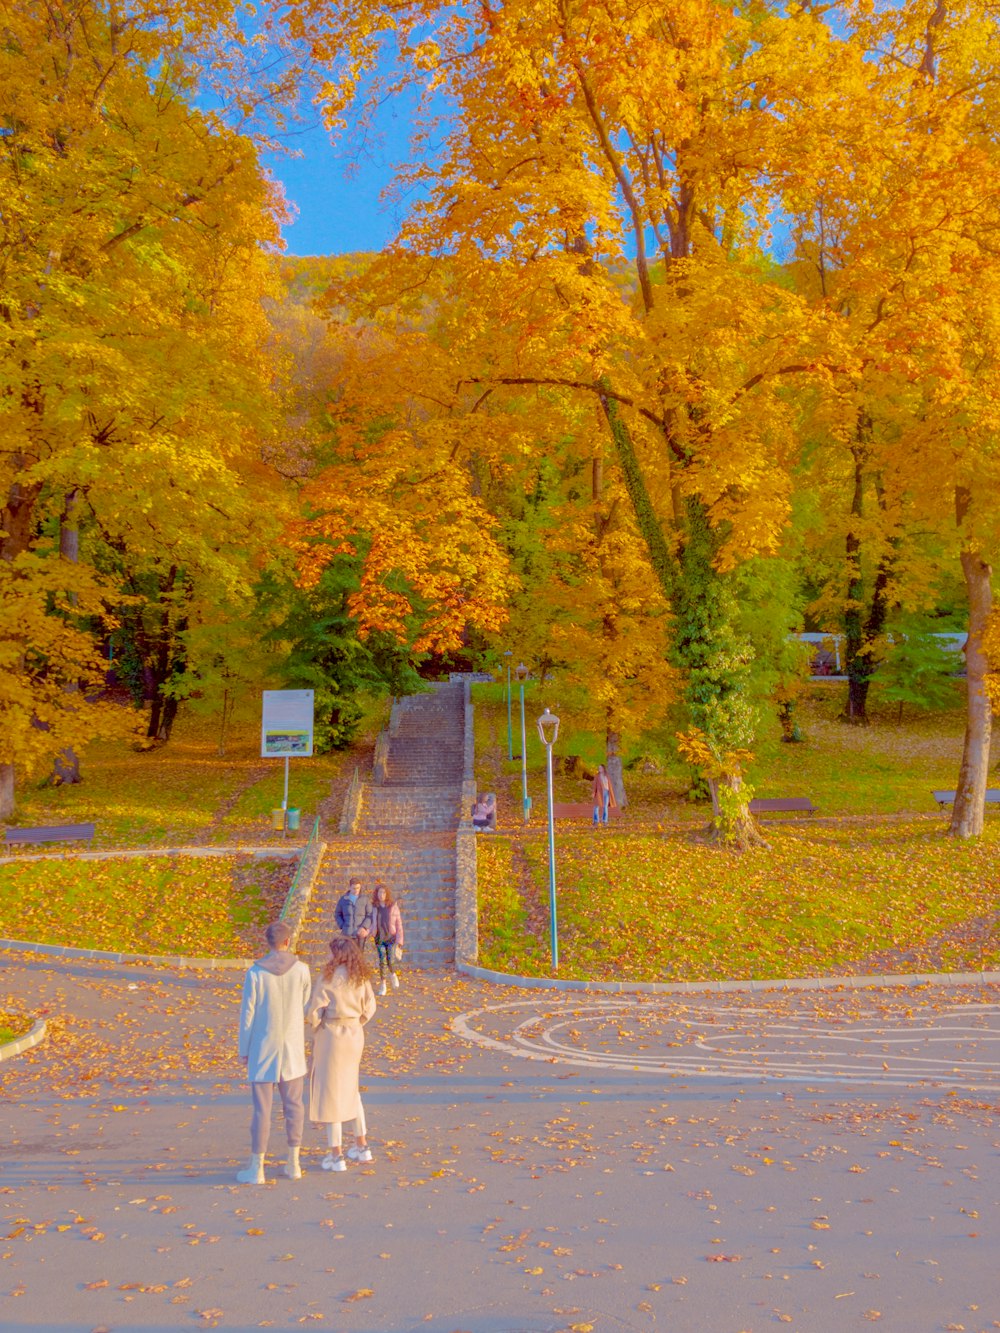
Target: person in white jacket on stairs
(272, 1042)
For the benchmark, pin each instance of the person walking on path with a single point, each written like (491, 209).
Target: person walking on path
(272, 1042)
(603, 794)
(342, 1001)
(354, 915)
(388, 935)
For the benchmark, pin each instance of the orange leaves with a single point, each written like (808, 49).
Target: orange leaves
(362, 1294)
(822, 898)
(121, 905)
(431, 564)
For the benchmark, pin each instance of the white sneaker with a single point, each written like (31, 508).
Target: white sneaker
(334, 1162)
(253, 1172)
(395, 982)
(357, 1154)
(381, 988)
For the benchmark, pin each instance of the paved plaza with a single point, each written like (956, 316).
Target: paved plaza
(814, 1160)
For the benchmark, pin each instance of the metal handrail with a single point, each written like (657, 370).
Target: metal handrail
(290, 896)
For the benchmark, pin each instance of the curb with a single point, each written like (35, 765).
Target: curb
(729, 987)
(31, 1038)
(100, 955)
(297, 906)
(280, 850)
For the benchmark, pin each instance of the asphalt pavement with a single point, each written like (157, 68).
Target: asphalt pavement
(819, 1161)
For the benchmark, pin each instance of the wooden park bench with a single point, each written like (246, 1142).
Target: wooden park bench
(55, 833)
(781, 804)
(577, 810)
(944, 798)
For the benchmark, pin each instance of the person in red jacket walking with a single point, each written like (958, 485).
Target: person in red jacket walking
(388, 934)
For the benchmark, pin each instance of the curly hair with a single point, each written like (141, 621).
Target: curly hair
(387, 900)
(345, 953)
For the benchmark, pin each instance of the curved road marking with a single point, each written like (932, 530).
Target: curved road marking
(956, 1046)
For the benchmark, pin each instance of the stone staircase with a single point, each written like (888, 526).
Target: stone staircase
(405, 833)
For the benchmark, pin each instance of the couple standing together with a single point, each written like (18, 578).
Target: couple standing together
(379, 916)
(278, 1000)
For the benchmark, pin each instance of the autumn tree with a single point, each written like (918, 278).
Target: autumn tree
(898, 222)
(587, 138)
(393, 490)
(135, 380)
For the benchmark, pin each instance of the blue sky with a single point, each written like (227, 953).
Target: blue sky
(336, 190)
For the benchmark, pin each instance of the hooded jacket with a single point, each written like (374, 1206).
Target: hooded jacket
(272, 1018)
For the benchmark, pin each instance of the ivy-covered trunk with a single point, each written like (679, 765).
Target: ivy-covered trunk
(715, 660)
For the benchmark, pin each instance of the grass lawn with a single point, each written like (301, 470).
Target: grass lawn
(13, 1026)
(185, 792)
(890, 897)
(211, 907)
(873, 885)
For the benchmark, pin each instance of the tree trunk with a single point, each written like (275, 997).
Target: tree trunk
(733, 825)
(613, 765)
(970, 790)
(156, 708)
(159, 728)
(228, 703)
(168, 715)
(66, 766)
(860, 637)
(7, 799)
(858, 682)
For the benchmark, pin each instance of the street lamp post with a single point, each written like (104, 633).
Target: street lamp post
(522, 676)
(508, 654)
(548, 730)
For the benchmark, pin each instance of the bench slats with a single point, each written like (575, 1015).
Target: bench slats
(764, 805)
(944, 798)
(54, 833)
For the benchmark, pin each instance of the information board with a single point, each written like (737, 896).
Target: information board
(286, 724)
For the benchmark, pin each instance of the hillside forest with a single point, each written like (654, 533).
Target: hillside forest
(687, 342)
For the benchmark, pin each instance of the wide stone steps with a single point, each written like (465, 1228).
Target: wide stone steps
(404, 808)
(405, 834)
(419, 868)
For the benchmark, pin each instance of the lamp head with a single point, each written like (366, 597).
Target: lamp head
(508, 652)
(522, 672)
(548, 728)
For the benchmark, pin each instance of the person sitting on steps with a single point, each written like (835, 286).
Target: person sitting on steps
(484, 813)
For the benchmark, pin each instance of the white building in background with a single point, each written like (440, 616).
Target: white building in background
(827, 658)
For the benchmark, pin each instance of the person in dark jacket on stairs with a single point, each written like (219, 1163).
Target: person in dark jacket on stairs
(354, 915)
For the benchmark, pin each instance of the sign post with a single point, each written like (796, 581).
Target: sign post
(286, 730)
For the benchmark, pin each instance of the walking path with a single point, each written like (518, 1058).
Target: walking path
(658, 1163)
(406, 833)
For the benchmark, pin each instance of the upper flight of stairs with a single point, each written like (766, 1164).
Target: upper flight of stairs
(405, 835)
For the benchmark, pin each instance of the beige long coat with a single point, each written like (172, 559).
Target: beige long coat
(337, 1012)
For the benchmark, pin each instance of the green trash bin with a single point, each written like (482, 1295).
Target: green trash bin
(278, 820)
(293, 818)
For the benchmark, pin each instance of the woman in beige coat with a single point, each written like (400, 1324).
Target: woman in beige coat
(342, 1001)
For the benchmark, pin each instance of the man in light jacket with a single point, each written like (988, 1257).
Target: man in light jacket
(272, 1042)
